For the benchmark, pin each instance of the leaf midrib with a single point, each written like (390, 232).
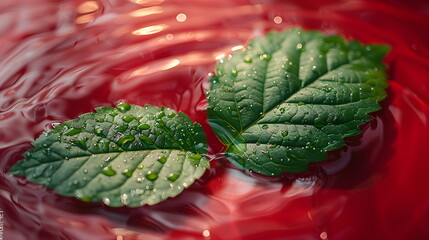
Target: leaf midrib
(105, 153)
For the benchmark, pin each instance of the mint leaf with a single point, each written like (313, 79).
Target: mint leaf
(128, 155)
(290, 97)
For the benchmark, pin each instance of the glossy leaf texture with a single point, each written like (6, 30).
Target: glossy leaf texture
(290, 97)
(128, 155)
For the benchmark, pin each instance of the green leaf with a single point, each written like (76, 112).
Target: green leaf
(128, 155)
(290, 97)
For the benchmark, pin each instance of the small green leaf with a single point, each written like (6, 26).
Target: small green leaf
(292, 97)
(128, 155)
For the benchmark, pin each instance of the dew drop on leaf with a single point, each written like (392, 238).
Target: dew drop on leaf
(127, 173)
(123, 107)
(162, 159)
(126, 139)
(151, 175)
(173, 177)
(127, 119)
(124, 199)
(265, 57)
(108, 171)
(106, 201)
(144, 126)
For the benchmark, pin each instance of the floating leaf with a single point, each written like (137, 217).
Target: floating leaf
(290, 97)
(128, 155)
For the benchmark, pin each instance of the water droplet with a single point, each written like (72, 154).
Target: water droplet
(124, 199)
(140, 167)
(299, 46)
(123, 107)
(282, 110)
(108, 171)
(277, 20)
(171, 115)
(206, 233)
(73, 131)
(85, 171)
(161, 114)
(234, 73)
(127, 119)
(247, 60)
(265, 151)
(323, 236)
(326, 88)
(265, 57)
(162, 159)
(265, 126)
(151, 175)
(173, 177)
(106, 201)
(144, 126)
(125, 139)
(127, 173)
(285, 133)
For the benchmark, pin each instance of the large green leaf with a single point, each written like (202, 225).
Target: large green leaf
(128, 155)
(290, 97)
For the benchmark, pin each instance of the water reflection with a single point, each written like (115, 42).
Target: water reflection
(150, 30)
(87, 11)
(156, 67)
(147, 2)
(181, 17)
(87, 7)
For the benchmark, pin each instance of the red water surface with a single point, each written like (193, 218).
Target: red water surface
(62, 58)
